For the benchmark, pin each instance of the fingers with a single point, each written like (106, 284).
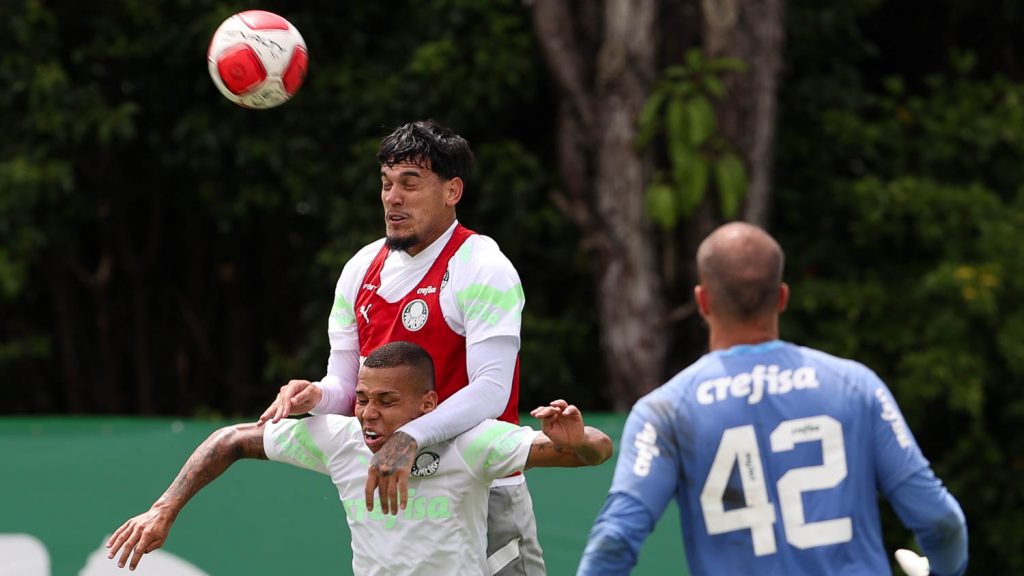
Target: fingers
(144, 547)
(403, 491)
(285, 409)
(554, 410)
(129, 546)
(394, 492)
(117, 540)
(392, 487)
(371, 486)
(388, 495)
(267, 414)
(294, 393)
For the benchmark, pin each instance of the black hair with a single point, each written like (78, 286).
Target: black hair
(396, 354)
(427, 142)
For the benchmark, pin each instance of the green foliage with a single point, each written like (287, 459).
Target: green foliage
(680, 111)
(903, 237)
(171, 235)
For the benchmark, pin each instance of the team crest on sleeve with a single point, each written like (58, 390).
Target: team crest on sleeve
(425, 464)
(414, 315)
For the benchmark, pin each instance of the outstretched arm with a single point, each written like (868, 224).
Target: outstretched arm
(148, 531)
(565, 441)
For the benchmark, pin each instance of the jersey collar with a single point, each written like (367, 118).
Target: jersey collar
(743, 349)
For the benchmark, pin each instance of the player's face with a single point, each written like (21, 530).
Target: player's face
(418, 205)
(385, 400)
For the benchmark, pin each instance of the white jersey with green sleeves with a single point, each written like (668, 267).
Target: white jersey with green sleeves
(443, 530)
(482, 298)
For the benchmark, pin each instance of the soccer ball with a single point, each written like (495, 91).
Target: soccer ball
(257, 59)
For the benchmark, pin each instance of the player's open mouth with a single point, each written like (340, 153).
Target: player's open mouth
(372, 438)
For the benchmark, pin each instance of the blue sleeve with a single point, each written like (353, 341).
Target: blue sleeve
(648, 464)
(933, 514)
(897, 455)
(614, 542)
(646, 477)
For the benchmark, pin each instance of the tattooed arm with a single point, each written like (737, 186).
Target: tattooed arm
(148, 531)
(565, 441)
(389, 473)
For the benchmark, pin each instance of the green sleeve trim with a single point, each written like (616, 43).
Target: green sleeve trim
(480, 301)
(299, 446)
(487, 448)
(342, 313)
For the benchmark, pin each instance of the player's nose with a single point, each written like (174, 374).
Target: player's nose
(392, 196)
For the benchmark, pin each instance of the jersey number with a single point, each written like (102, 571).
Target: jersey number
(739, 448)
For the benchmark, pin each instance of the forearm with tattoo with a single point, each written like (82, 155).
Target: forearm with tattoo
(215, 455)
(595, 448)
(396, 454)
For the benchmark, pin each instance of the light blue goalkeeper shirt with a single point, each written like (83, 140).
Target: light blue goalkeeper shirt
(776, 455)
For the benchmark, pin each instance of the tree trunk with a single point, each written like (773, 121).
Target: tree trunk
(751, 31)
(604, 65)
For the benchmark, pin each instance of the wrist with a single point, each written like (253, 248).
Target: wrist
(322, 399)
(168, 507)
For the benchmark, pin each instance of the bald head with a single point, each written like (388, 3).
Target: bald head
(740, 265)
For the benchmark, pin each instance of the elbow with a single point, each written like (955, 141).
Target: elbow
(233, 441)
(607, 552)
(951, 527)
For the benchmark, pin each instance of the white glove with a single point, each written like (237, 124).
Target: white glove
(912, 564)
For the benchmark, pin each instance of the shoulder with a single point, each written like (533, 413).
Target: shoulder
(846, 370)
(488, 434)
(360, 261)
(680, 386)
(481, 253)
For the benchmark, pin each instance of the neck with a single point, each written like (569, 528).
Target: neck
(435, 234)
(721, 337)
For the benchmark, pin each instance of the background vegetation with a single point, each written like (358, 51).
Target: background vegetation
(165, 252)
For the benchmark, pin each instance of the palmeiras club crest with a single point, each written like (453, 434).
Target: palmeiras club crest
(425, 464)
(414, 315)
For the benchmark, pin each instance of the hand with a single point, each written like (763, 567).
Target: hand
(142, 534)
(389, 470)
(295, 397)
(562, 423)
(912, 564)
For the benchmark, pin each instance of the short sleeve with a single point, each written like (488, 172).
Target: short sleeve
(487, 292)
(647, 468)
(494, 449)
(342, 330)
(298, 442)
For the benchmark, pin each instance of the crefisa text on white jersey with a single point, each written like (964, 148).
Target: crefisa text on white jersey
(755, 384)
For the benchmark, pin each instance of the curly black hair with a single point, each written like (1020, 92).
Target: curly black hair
(428, 144)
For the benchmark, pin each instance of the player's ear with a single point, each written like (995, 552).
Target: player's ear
(453, 191)
(429, 401)
(703, 299)
(783, 296)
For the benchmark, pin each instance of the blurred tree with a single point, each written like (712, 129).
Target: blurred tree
(604, 58)
(167, 251)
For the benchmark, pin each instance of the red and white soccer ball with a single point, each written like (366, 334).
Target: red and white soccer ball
(257, 59)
